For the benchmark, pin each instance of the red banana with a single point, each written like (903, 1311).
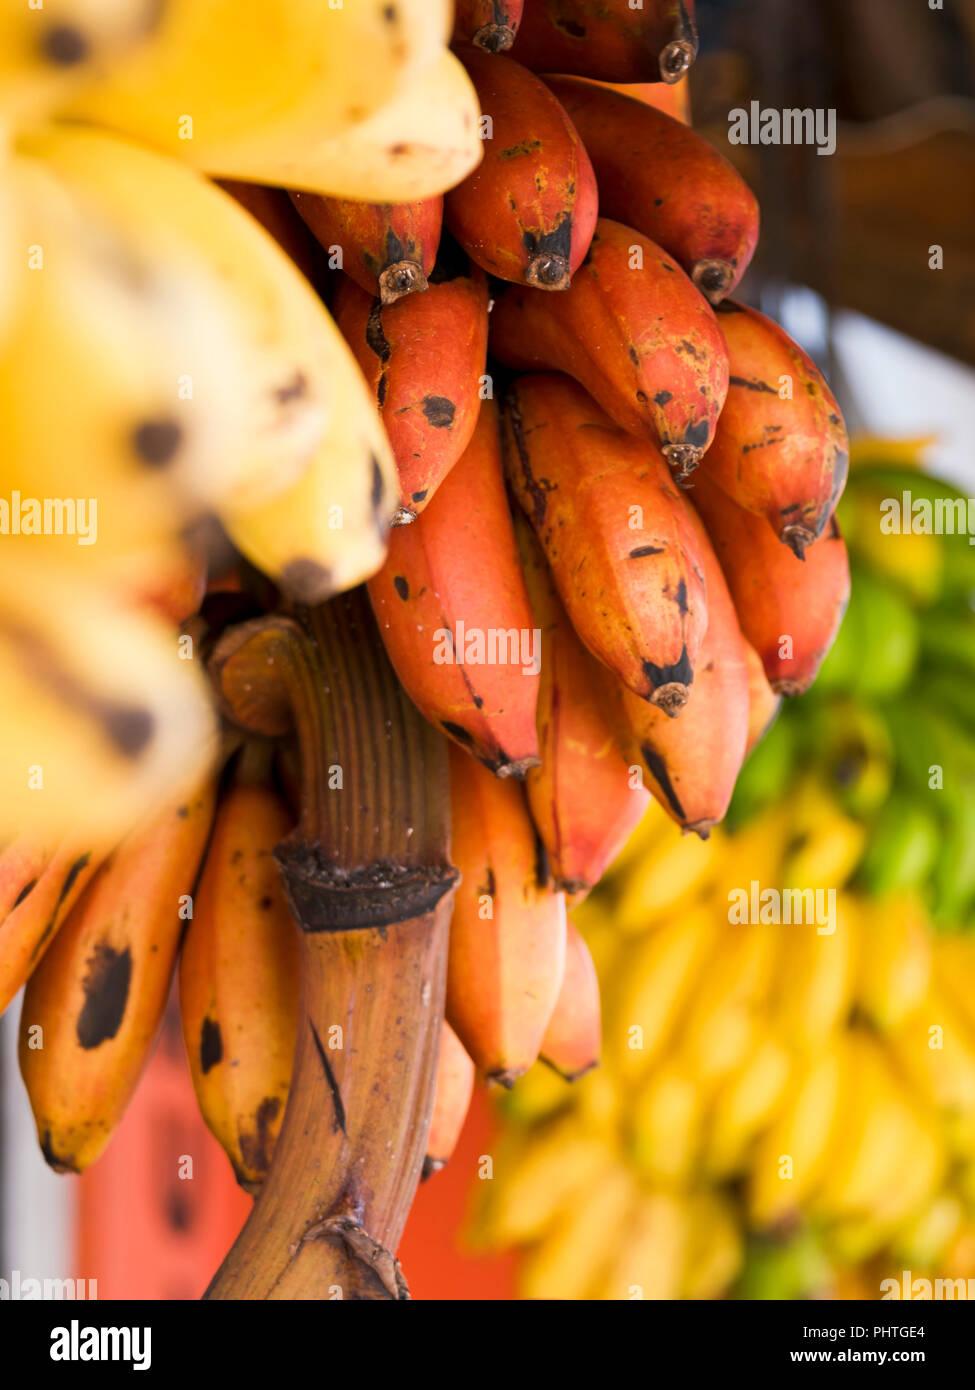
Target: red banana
(692, 762)
(574, 1034)
(388, 249)
(661, 177)
(788, 608)
(507, 934)
(582, 799)
(38, 888)
(618, 534)
(451, 1101)
(615, 40)
(636, 333)
(490, 24)
(424, 358)
(763, 703)
(528, 211)
(780, 448)
(453, 612)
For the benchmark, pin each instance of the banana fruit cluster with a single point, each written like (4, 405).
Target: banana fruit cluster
(777, 1113)
(314, 296)
(785, 1110)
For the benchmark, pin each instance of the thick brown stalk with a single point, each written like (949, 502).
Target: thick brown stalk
(368, 878)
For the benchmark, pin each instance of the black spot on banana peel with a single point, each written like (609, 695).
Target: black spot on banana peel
(439, 411)
(257, 1146)
(106, 989)
(157, 442)
(66, 887)
(64, 46)
(24, 892)
(211, 1044)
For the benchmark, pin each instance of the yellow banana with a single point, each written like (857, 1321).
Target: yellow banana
(420, 144)
(285, 397)
(954, 970)
(814, 983)
(829, 844)
(922, 1240)
(670, 873)
(752, 853)
(885, 1160)
(714, 1245)
(538, 1095)
(663, 971)
(650, 1250)
(793, 1153)
(101, 717)
(254, 90)
(743, 1106)
(936, 1053)
(583, 1241)
(663, 1123)
(536, 1180)
(894, 969)
(49, 51)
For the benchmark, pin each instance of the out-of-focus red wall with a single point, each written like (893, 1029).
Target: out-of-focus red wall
(144, 1232)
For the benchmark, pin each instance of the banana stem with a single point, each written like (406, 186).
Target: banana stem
(368, 878)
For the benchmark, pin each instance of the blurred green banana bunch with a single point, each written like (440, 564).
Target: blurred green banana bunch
(849, 1053)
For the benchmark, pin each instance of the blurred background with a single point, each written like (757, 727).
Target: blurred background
(656, 1176)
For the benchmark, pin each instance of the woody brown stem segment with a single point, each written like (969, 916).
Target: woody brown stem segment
(368, 879)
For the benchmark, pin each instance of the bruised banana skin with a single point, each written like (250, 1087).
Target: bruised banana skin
(423, 358)
(49, 886)
(528, 211)
(451, 1102)
(641, 339)
(490, 24)
(658, 175)
(789, 609)
(458, 564)
(260, 83)
(574, 1034)
(508, 931)
(635, 593)
(785, 459)
(238, 980)
(582, 800)
(100, 991)
(609, 39)
(388, 249)
(692, 762)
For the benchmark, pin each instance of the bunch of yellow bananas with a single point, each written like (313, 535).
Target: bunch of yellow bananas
(777, 1104)
(162, 359)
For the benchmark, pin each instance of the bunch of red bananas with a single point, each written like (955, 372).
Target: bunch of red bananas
(673, 458)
